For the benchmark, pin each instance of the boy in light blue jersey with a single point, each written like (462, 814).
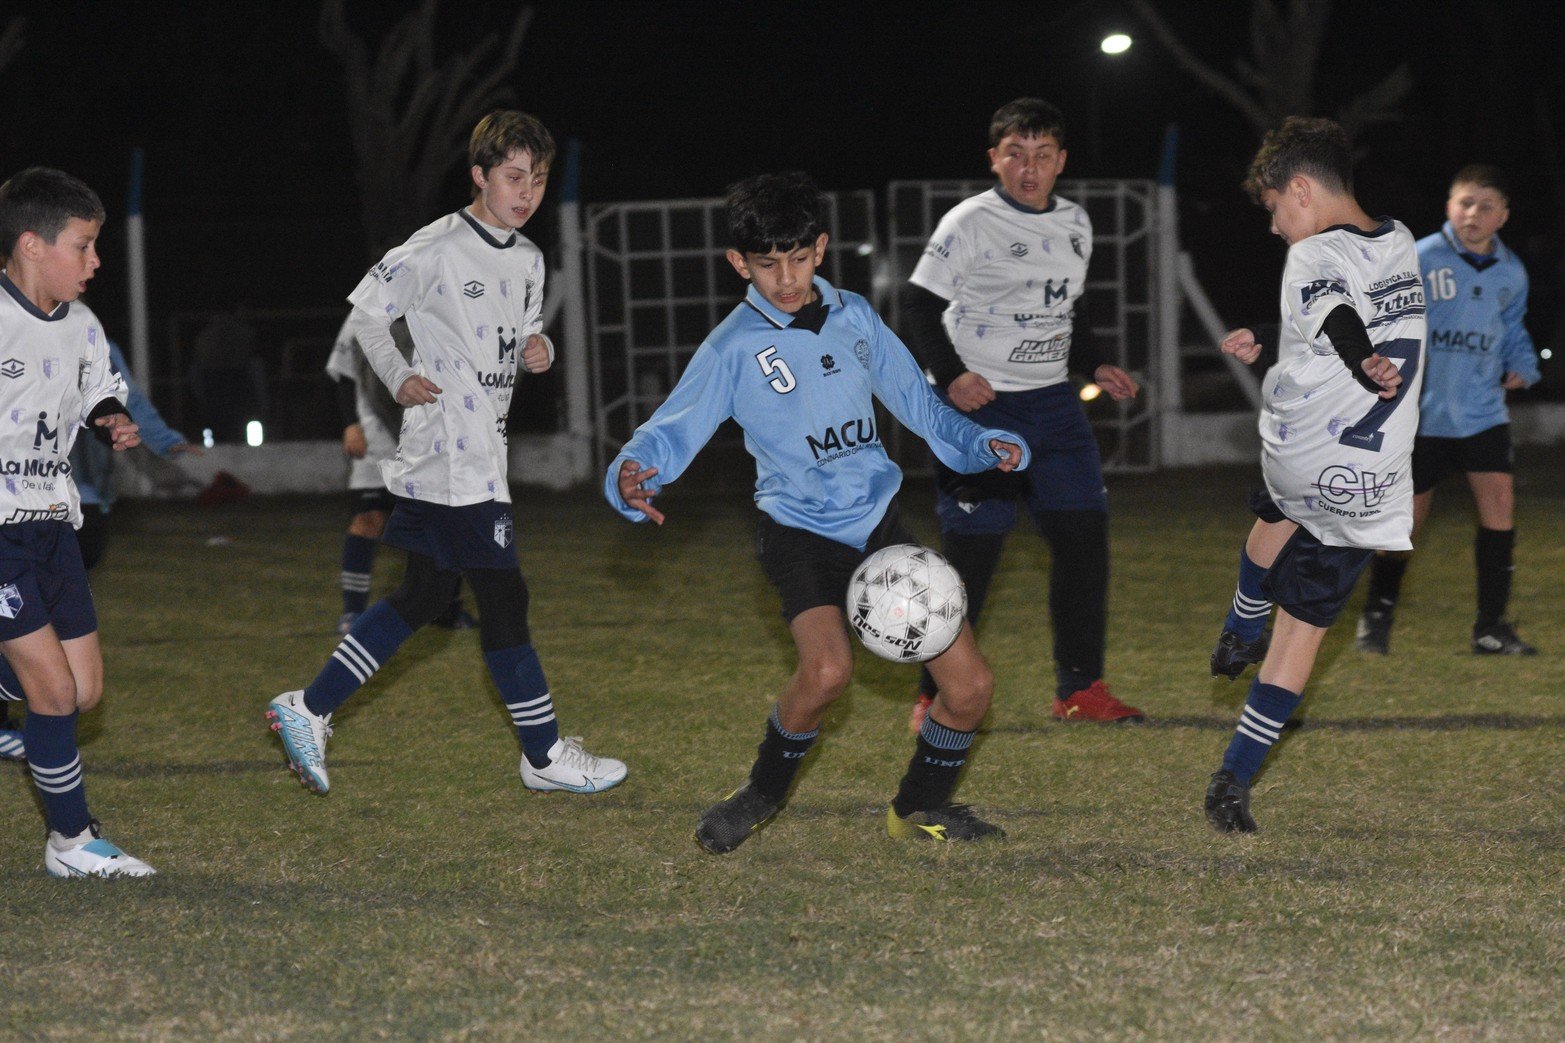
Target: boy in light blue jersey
(798, 363)
(1478, 350)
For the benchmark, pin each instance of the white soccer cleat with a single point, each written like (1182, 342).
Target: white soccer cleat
(63, 857)
(12, 748)
(574, 769)
(304, 738)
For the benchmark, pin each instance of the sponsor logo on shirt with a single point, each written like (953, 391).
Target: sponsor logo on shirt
(829, 366)
(1350, 492)
(472, 289)
(36, 468)
(12, 368)
(1474, 341)
(1054, 349)
(53, 512)
(940, 249)
(844, 439)
(1315, 289)
(1018, 250)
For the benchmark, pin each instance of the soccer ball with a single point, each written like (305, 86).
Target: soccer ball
(906, 603)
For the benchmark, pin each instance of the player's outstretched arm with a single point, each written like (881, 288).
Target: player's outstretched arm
(1242, 345)
(636, 492)
(122, 431)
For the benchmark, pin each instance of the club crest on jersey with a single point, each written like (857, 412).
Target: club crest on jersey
(503, 530)
(1079, 244)
(12, 368)
(472, 289)
(10, 601)
(861, 352)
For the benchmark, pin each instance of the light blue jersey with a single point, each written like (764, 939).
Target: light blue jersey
(1476, 335)
(805, 401)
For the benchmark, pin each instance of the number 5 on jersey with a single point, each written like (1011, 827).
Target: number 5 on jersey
(782, 377)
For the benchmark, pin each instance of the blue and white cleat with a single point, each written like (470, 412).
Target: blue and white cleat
(69, 857)
(12, 748)
(304, 738)
(573, 769)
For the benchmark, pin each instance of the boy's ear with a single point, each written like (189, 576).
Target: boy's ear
(736, 259)
(479, 180)
(1301, 189)
(820, 247)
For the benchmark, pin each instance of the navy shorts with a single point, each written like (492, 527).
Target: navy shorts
(1313, 581)
(42, 580)
(475, 536)
(362, 501)
(808, 569)
(1066, 472)
(1434, 458)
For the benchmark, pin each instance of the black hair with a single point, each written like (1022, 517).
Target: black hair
(775, 212)
(505, 131)
(42, 200)
(1314, 147)
(1484, 175)
(1028, 117)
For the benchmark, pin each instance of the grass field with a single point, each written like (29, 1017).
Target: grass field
(1406, 883)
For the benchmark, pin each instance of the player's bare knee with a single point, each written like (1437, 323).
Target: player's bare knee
(825, 678)
(88, 696)
(55, 697)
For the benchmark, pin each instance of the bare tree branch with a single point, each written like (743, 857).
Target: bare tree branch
(410, 111)
(1222, 85)
(1278, 77)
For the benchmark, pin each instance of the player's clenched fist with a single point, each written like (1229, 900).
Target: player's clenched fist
(417, 391)
(535, 355)
(1241, 344)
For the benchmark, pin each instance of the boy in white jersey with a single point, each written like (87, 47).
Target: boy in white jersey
(797, 359)
(995, 311)
(471, 289)
(55, 378)
(1337, 425)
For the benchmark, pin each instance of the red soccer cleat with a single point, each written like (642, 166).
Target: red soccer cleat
(1096, 703)
(921, 705)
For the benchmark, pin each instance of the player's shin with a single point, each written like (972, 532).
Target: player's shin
(518, 675)
(1265, 713)
(375, 637)
(778, 758)
(1493, 550)
(932, 774)
(57, 771)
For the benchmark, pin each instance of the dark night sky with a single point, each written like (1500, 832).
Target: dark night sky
(250, 190)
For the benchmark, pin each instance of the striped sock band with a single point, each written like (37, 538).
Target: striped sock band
(938, 758)
(1265, 713)
(375, 637)
(518, 675)
(358, 559)
(11, 745)
(57, 770)
(775, 720)
(1251, 607)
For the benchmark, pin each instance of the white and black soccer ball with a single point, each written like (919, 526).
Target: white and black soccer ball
(906, 603)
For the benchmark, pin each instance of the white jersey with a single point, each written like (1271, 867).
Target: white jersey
(54, 370)
(471, 300)
(1337, 458)
(347, 362)
(1013, 276)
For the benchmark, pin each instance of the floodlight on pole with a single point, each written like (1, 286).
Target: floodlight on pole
(1115, 43)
